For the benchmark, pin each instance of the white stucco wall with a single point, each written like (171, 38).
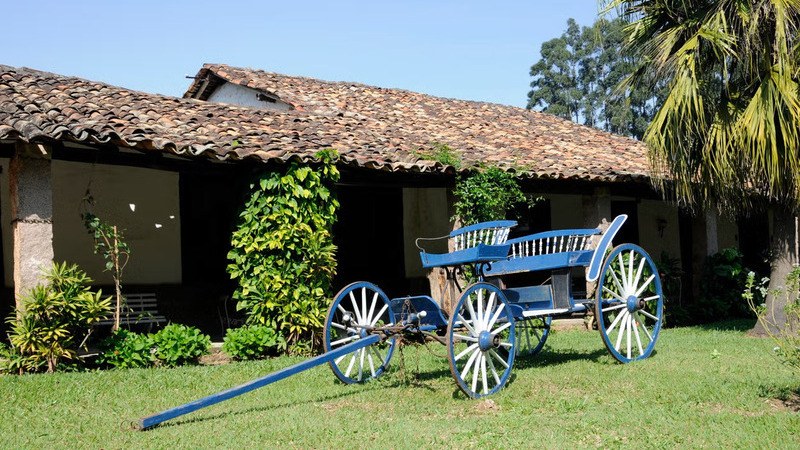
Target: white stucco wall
(235, 94)
(152, 228)
(654, 214)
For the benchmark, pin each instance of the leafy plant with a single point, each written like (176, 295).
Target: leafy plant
(110, 241)
(441, 153)
(13, 361)
(783, 332)
(53, 315)
(125, 349)
(282, 253)
(486, 195)
(252, 342)
(724, 279)
(177, 344)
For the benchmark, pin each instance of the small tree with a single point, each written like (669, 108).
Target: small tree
(109, 240)
(486, 195)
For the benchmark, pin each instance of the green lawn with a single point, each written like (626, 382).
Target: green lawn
(704, 387)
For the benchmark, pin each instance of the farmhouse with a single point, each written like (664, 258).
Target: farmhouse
(171, 172)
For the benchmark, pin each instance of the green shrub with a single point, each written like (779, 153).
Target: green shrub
(252, 342)
(487, 195)
(55, 316)
(724, 279)
(125, 349)
(282, 253)
(177, 344)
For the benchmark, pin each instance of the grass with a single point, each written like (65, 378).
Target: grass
(704, 387)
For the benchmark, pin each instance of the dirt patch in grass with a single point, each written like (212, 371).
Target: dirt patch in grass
(215, 358)
(792, 403)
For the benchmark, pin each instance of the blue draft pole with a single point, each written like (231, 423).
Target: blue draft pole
(155, 419)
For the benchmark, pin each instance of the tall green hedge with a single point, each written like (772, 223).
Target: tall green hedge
(282, 253)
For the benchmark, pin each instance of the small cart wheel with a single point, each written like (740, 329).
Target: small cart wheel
(532, 335)
(480, 340)
(355, 310)
(629, 309)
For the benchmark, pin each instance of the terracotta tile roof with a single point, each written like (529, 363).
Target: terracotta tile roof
(41, 106)
(370, 127)
(541, 144)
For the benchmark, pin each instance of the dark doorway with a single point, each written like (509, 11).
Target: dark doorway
(629, 233)
(754, 242)
(369, 237)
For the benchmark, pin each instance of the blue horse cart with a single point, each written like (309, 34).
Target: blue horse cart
(489, 324)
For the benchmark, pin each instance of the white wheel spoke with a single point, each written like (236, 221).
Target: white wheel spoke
(496, 316)
(613, 294)
(352, 361)
(370, 317)
(622, 273)
(644, 286)
(364, 319)
(635, 326)
(361, 365)
(506, 344)
(467, 325)
(621, 330)
(338, 325)
(465, 338)
(499, 359)
(616, 321)
(489, 309)
(339, 359)
(483, 374)
(528, 329)
(345, 340)
(471, 311)
(639, 272)
(641, 322)
(355, 309)
(371, 365)
(501, 328)
(494, 371)
(479, 318)
(475, 372)
(465, 351)
(379, 315)
(628, 325)
(654, 297)
(377, 354)
(469, 364)
(612, 308)
(647, 314)
(616, 281)
(630, 270)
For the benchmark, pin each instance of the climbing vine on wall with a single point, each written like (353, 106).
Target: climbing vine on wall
(282, 253)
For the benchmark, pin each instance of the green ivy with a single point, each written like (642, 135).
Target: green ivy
(282, 253)
(487, 195)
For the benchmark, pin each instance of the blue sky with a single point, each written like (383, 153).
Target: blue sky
(476, 50)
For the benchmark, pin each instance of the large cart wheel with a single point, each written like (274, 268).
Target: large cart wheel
(480, 340)
(355, 310)
(532, 335)
(629, 309)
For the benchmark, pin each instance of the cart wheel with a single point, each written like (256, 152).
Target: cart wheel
(355, 308)
(531, 335)
(629, 309)
(480, 340)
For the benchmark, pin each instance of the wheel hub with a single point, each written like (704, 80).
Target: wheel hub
(633, 303)
(486, 341)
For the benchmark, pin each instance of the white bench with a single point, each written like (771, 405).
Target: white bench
(137, 309)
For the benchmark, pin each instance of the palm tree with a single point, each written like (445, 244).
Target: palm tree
(728, 133)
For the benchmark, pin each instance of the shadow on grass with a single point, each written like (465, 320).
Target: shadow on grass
(742, 325)
(551, 358)
(230, 414)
